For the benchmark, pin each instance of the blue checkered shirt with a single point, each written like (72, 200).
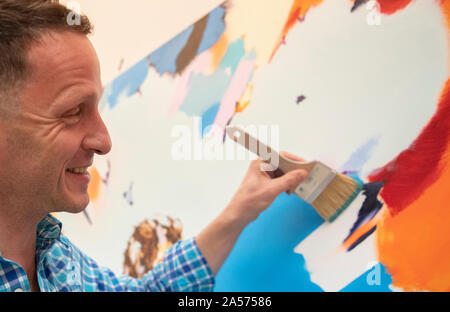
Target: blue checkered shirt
(61, 266)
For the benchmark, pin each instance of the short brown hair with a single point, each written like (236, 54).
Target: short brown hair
(22, 23)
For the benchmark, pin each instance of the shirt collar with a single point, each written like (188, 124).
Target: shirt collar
(49, 228)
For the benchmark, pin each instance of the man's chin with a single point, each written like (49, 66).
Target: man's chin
(74, 205)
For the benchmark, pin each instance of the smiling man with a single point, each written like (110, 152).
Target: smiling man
(50, 130)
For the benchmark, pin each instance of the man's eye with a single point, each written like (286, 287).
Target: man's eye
(73, 112)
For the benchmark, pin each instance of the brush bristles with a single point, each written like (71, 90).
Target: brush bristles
(341, 191)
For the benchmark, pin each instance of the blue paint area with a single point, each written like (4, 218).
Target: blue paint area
(367, 282)
(356, 177)
(208, 118)
(359, 157)
(263, 258)
(235, 51)
(207, 90)
(214, 29)
(128, 82)
(107, 90)
(164, 59)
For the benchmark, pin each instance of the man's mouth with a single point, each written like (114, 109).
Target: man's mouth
(81, 170)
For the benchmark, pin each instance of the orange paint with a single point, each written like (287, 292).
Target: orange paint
(414, 241)
(415, 244)
(94, 184)
(298, 10)
(218, 51)
(445, 7)
(245, 99)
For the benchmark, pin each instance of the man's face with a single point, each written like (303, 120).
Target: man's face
(51, 141)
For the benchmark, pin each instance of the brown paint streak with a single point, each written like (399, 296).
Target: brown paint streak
(189, 51)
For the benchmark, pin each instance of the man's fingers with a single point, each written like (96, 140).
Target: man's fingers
(289, 181)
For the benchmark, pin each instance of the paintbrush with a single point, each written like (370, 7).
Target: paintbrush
(329, 192)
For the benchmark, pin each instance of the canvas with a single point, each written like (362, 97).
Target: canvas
(359, 85)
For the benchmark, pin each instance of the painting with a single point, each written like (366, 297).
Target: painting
(359, 85)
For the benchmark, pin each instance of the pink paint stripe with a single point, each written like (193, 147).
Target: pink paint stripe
(234, 93)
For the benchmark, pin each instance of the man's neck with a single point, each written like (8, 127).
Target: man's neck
(18, 240)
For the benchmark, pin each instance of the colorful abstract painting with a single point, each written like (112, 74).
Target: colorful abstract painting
(360, 85)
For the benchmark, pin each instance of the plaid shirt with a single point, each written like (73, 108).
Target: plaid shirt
(63, 267)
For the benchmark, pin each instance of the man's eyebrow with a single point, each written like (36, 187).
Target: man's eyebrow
(72, 96)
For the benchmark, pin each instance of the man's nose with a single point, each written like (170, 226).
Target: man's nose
(97, 139)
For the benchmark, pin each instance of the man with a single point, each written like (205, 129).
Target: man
(50, 130)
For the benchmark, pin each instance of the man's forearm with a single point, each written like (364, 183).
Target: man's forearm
(256, 192)
(217, 240)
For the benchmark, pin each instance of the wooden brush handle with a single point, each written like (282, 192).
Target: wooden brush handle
(268, 154)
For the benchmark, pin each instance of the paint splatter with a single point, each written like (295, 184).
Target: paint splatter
(94, 184)
(88, 218)
(365, 224)
(257, 33)
(242, 104)
(197, 101)
(128, 195)
(164, 59)
(184, 85)
(360, 157)
(297, 13)
(357, 4)
(176, 55)
(214, 29)
(189, 51)
(146, 247)
(300, 98)
(122, 61)
(208, 118)
(105, 180)
(217, 51)
(234, 92)
(128, 83)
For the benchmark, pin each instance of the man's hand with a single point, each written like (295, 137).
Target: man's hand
(256, 192)
(261, 185)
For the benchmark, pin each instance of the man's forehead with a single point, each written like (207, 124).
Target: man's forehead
(63, 52)
(64, 64)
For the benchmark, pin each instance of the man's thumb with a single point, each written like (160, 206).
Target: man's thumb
(289, 180)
